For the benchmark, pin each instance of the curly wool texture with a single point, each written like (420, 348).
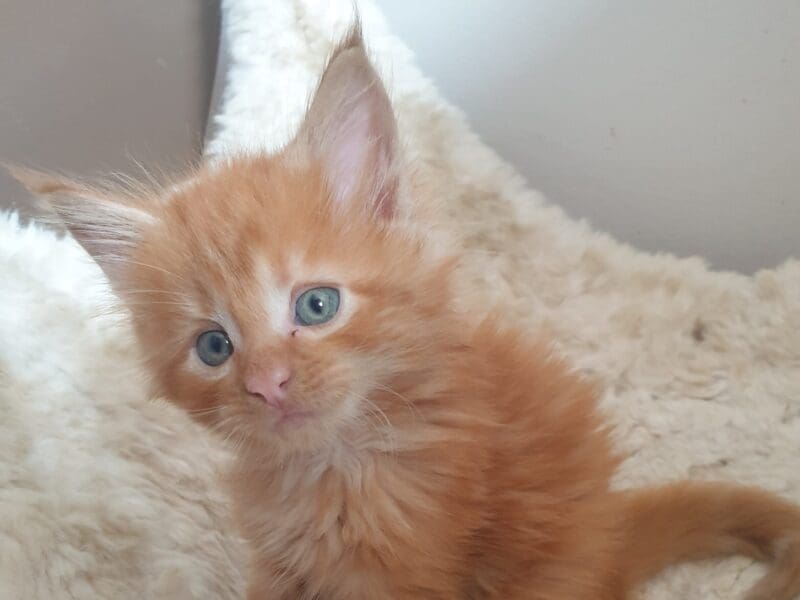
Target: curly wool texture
(701, 368)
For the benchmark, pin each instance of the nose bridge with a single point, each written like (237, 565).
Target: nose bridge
(269, 356)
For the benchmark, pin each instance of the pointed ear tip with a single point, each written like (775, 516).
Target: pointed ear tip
(23, 175)
(355, 34)
(38, 182)
(353, 39)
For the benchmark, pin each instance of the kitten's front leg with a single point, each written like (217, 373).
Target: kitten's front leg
(535, 588)
(257, 591)
(267, 586)
(266, 583)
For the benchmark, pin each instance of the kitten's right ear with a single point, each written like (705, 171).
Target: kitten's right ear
(107, 225)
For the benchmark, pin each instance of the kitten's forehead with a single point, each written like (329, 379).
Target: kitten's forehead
(293, 268)
(273, 290)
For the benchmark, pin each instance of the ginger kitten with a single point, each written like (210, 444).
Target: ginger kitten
(388, 446)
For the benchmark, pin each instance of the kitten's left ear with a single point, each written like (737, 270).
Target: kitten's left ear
(350, 130)
(107, 225)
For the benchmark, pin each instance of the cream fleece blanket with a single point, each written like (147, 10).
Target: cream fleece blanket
(106, 495)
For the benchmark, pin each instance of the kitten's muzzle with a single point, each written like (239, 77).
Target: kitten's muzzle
(270, 384)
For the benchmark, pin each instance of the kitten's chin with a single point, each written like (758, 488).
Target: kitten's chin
(293, 430)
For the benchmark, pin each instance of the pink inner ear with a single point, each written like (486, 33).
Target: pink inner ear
(348, 156)
(350, 129)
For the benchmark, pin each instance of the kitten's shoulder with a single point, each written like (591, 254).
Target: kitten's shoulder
(523, 364)
(500, 342)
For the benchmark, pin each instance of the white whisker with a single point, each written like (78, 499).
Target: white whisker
(410, 405)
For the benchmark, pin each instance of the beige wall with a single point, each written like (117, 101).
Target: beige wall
(673, 124)
(86, 86)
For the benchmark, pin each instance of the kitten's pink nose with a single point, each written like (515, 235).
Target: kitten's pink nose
(269, 383)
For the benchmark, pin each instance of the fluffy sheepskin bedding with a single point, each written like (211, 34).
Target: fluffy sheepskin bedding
(106, 494)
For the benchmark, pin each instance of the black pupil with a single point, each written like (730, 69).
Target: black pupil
(316, 304)
(217, 344)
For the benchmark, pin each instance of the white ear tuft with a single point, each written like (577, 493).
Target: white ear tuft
(350, 130)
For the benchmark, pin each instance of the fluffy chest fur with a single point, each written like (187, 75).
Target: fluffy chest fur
(342, 530)
(479, 488)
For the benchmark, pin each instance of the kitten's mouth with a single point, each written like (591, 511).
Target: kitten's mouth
(282, 413)
(295, 415)
(292, 417)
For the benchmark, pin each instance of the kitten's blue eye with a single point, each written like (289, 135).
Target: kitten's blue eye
(213, 347)
(316, 306)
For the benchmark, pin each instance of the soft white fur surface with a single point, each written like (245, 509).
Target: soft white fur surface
(701, 368)
(105, 494)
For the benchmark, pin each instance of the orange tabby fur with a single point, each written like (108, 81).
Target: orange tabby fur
(446, 459)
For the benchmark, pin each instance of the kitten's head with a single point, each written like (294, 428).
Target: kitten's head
(280, 298)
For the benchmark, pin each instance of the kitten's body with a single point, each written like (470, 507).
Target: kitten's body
(402, 449)
(498, 484)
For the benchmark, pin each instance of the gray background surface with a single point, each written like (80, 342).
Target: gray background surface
(91, 86)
